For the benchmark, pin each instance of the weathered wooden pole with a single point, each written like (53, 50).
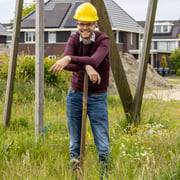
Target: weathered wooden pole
(116, 63)
(39, 68)
(144, 59)
(84, 116)
(12, 63)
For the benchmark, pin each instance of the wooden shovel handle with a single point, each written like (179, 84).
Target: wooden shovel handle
(84, 116)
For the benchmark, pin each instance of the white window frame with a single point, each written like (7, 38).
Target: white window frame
(31, 37)
(52, 57)
(158, 28)
(165, 28)
(30, 56)
(52, 37)
(131, 38)
(162, 25)
(169, 44)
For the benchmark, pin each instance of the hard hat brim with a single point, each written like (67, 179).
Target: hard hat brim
(86, 19)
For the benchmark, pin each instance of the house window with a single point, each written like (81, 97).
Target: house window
(162, 28)
(114, 33)
(30, 37)
(62, 36)
(166, 45)
(30, 57)
(158, 29)
(165, 28)
(154, 45)
(121, 35)
(52, 57)
(172, 45)
(162, 45)
(52, 37)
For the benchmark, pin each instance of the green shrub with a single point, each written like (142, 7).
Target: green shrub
(175, 58)
(172, 71)
(2, 89)
(25, 68)
(25, 71)
(24, 92)
(24, 88)
(178, 72)
(4, 67)
(163, 62)
(52, 79)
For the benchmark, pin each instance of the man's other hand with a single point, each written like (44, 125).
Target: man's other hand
(60, 65)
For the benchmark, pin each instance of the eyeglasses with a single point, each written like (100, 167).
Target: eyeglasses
(85, 24)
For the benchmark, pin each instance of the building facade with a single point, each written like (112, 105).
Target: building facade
(5, 36)
(165, 39)
(59, 25)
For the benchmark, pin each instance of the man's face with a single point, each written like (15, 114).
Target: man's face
(86, 29)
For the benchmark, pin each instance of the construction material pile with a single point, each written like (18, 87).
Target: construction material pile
(131, 65)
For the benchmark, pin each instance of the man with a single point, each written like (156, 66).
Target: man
(87, 51)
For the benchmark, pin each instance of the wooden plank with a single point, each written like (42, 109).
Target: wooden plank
(39, 68)
(12, 63)
(116, 63)
(144, 59)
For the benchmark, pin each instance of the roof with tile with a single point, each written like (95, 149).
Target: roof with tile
(59, 14)
(3, 31)
(173, 34)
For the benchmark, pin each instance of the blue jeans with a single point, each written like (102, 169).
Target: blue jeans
(98, 115)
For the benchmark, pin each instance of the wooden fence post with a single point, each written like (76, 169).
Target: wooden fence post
(39, 68)
(144, 60)
(12, 63)
(116, 63)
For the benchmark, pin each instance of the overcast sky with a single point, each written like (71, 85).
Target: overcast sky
(166, 10)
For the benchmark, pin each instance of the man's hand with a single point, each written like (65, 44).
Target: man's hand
(60, 65)
(93, 74)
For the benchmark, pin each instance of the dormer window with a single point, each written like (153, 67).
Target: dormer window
(157, 28)
(163, 27)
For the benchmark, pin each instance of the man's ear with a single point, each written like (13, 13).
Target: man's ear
(95, 23)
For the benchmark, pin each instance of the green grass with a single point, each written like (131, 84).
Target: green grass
(149, 151)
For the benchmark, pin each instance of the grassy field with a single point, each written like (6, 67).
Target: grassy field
(150, 151)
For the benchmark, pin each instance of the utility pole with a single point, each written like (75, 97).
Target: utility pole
(12, 63)
(144, 60)
(39, 68)
(116, 63)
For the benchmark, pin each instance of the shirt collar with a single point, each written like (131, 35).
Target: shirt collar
(88, 42)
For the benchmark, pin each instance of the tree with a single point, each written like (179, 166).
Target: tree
(175, 58)
(163, 62)
(28, 8)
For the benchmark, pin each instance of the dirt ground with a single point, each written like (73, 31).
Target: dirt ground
(168, 94)
(160, 87)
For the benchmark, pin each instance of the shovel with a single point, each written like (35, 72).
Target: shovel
(83, 128)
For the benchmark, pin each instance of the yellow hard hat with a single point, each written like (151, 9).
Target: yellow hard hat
(86, 12)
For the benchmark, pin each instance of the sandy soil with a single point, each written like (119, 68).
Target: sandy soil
(166, 88)
(131, 66)
(167, 95)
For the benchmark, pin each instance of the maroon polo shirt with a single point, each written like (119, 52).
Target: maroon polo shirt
(95, 54)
